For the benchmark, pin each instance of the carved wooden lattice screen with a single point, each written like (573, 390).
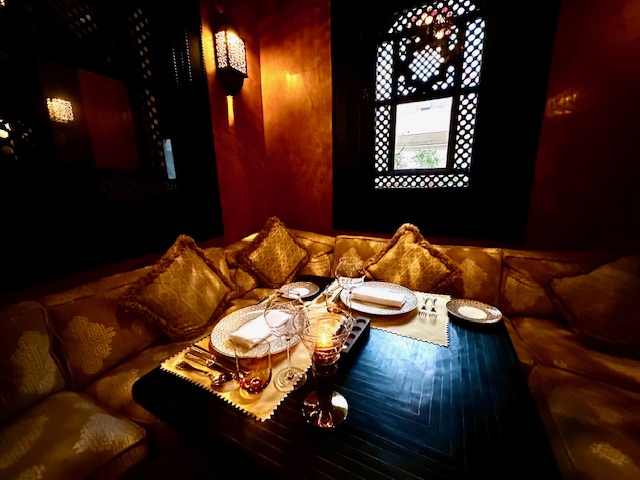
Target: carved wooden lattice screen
(410, 67)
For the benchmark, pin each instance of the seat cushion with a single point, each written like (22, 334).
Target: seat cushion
(113, 388)
(183, 294)
(553, 344)
(593, 427)
(29, 367)
(66, 436)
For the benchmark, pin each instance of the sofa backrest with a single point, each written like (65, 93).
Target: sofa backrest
(30, 368)
(526, 275)
(96, 332)
(479, 266)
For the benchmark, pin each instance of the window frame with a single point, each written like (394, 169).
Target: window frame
(494, 207)
(456, 76)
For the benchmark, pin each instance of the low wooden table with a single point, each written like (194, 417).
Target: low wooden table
(416, 410)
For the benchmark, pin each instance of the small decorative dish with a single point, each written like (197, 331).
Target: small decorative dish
(303, 289)
(474, 311)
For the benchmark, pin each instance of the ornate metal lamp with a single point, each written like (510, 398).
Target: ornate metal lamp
(231, 60)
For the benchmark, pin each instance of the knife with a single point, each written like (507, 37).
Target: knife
(204, 353)
(210, 364)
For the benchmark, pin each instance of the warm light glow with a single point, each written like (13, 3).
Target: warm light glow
(5, 128)
(562, 104)
(60, 111)
(293, 80)
(230, 51)
(325, 340)
(207, 49)
(230, 114)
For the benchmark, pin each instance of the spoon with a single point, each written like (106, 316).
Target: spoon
(216, 380)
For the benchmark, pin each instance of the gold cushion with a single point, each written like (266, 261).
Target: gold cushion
(479, 272)
(411, 261)
(593, 426)
(526, 276)
(184, 292)
(603, 306)
(69, 436)
(29, 368)
(95, 330)
(321, 250)
(274, 256)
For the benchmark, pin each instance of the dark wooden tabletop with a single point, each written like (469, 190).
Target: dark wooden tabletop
(416, 410)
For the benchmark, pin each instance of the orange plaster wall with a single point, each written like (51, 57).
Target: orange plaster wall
(295, 55)
(239, 146)
(585, 191)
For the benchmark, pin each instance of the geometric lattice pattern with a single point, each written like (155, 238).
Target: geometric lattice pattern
(410, 69)
(274, 256)
(411, 261)
(140, 35)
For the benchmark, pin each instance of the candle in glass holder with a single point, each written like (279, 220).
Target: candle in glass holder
(324, 352)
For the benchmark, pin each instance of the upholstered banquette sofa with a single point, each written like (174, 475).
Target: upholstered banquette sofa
(68, 359)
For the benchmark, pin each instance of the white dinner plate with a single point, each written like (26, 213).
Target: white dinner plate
(229, 324)
(304, 289)
(410, 302)
(474, 311)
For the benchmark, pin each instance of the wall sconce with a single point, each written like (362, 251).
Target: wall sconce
(231, 60)
(60, 110)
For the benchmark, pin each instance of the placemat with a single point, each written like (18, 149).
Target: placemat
(261, 408)
(419, 327)
(411, 324)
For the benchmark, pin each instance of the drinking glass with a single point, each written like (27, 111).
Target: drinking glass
(324, 335)
(285, 318)
(253, 365)
(350, 275)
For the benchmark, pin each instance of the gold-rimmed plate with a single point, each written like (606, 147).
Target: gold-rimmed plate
(411, 301)
(474, 311)
(227, 325)
(303, 289)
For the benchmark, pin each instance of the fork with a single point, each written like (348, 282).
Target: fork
(423, 309)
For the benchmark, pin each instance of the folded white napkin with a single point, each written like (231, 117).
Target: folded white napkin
(379, 296)
(253, 331)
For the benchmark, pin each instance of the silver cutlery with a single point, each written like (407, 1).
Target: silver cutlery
(216, 380)
(433, 315)
(206, 354)
(210, 364)
(423, 309)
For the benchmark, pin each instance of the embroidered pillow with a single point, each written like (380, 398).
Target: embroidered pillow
(603, 306)
(411, 261)
(274, 256)
(183, 294)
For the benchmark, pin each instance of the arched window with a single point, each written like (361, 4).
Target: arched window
(437, 108)
(428, 67)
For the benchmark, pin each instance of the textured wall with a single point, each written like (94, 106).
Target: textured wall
(588, 162)
(585, 191)
(240, 152)
(295, 55)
